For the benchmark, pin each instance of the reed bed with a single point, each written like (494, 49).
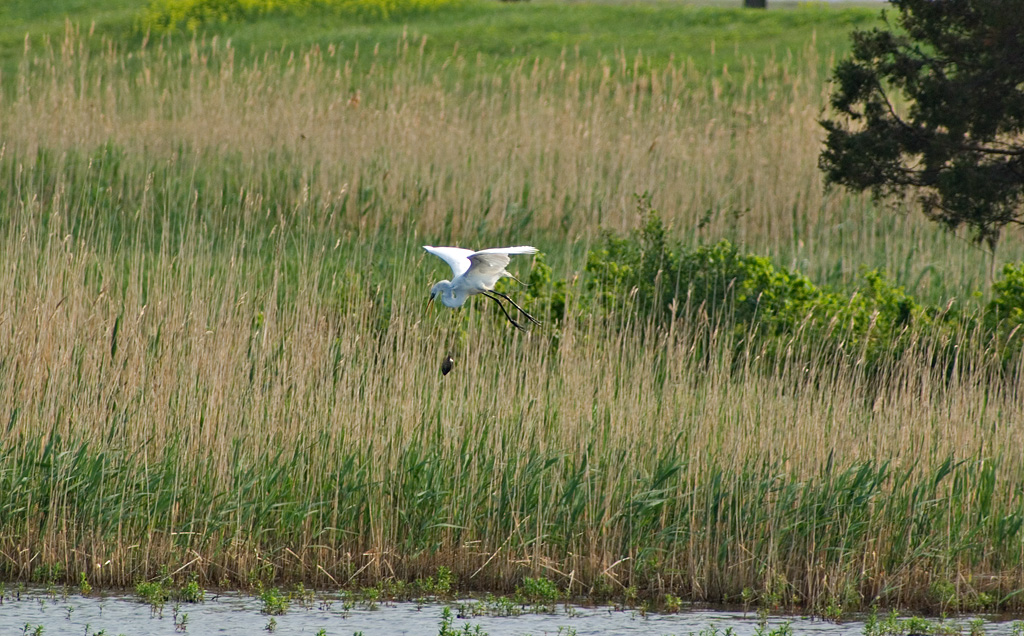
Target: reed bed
(204, 411)
(214, 357)
(447, 147)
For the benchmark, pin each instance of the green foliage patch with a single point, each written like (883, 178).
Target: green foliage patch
(162, 589)
(712, 37)
(538, 591)
(162, 16)
(654, 280)
(648, 279)
(273, 602)
(1005, 312)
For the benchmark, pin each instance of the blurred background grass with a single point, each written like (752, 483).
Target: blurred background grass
(711, 35)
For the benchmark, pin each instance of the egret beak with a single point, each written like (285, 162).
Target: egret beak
(430, 303)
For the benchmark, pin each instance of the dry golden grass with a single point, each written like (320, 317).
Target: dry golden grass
(214, 356)
(446, 151)
(230, 393)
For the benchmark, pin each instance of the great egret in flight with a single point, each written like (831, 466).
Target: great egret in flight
(476, 273)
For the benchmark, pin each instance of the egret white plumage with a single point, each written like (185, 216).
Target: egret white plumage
(476, 273)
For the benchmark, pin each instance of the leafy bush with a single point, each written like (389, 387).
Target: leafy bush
(161, 590)
(441, 585)
(273, 602)
(191, 592)
(762, 304)
(1005, 312)
(162, 16)
(643, 272)
(539, 591)
(546, 297)
(153, 592)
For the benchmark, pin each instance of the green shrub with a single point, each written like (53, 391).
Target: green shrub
(161, 590)
(1003, 318)
(154, 593)
(1005, 312)
(191, 592)
(768, 308)
(162, 16)
(538, 591)
(441, 585)
(273, 602)
(543, 295)
(645, 273)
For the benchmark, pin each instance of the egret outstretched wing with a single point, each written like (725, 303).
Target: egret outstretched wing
(456, 257)
(518, 249)
(487, 266)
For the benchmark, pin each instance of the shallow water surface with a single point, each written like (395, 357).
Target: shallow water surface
(237, 614)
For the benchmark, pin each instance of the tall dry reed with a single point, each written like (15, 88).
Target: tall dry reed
(442, 146)
(214, 355)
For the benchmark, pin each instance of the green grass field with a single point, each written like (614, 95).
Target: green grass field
(711, 36)
(215, 359)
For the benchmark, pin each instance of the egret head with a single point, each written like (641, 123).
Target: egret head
(438, 290)
(448, 294)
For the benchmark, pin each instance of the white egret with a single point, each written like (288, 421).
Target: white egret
(476, 273)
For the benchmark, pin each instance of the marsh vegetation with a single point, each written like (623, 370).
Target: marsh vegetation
(215, 364)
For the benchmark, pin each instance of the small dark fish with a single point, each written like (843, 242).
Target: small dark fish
(446, 366)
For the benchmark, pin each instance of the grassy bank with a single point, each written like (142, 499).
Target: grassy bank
(214, 357)
(491, 35)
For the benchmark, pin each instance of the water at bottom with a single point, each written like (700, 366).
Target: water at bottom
(232, 614)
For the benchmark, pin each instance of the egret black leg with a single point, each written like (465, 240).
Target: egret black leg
(504, 311)
(528, 316)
